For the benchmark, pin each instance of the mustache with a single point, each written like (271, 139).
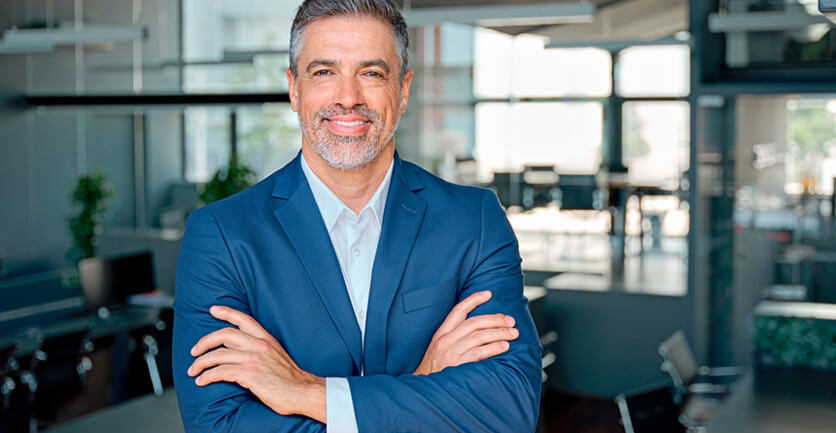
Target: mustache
(359, 110)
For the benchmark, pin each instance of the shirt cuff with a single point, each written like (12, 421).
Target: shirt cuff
(339, 408)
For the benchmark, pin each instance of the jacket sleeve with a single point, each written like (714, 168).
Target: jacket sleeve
(206, 276)
(499, 394)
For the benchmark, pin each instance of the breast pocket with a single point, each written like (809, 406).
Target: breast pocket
(441, 294)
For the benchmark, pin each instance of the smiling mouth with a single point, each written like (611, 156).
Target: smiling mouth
(348, 124)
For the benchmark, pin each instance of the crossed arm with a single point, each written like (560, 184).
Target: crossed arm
(249, 356)
(470, 379)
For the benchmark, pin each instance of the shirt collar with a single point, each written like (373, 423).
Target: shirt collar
(331, 207)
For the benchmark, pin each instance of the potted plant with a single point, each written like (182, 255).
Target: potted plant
(91, 197)
(227, 181)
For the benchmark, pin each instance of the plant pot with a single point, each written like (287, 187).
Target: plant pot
(91, 275)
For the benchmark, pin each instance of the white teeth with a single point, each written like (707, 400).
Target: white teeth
(354, 123)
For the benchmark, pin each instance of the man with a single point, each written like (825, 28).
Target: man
(351, 290)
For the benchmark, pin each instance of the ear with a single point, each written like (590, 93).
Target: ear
(407, 80)
(292, 90)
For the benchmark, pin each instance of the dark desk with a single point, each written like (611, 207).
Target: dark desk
(145, 414)
(780, 401)
(26, 339)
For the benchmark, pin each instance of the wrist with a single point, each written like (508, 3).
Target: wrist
(314, 399)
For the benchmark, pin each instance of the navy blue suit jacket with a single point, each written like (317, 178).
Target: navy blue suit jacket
(266, 252)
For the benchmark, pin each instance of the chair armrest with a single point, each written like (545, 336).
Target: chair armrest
(721, 371)
(709, 388)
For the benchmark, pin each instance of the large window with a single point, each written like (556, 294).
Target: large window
(208, 142)
(545, 129)
(567, 135)
(654, 71)
(655, 141)
(268, 137)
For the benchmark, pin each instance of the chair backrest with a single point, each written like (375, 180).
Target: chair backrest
(579, 192)
(678, 360)
(649, 410)
(508, 187)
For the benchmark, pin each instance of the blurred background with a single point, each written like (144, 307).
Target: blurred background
(667, 165)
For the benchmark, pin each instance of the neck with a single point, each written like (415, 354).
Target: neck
(353, 187)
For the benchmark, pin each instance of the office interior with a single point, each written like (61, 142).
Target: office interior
(667, 166)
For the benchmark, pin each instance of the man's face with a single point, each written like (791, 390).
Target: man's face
(348, 93)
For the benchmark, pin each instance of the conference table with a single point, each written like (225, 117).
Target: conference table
(151, 413)
(780, 400)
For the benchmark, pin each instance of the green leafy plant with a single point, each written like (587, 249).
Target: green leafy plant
(790, 341)
(91, 196)
(227, 181)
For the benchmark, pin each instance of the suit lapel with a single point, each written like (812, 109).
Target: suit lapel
(301, 221)
(401, 223)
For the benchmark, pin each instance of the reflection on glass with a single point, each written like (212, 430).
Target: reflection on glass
(566, 134)
(654, 71)
(655, 141)
(212, 29)
(268, 137)
(207, 142)
(811, 144)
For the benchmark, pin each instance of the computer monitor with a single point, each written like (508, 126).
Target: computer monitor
(130, 275)
(110, 281)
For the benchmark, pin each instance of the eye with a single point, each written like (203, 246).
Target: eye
(373, 74)
(322, 73)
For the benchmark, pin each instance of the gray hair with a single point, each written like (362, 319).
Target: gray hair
(384, 10)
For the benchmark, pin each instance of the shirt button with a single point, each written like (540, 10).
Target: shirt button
(362, 314)
(356, 252)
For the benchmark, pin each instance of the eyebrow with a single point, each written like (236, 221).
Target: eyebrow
(334, 63)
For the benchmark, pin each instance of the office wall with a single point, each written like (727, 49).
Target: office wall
(44, 150)
(608, 342)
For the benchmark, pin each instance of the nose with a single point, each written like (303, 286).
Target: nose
(348, 92)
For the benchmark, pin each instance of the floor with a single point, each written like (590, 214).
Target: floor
(564, 413)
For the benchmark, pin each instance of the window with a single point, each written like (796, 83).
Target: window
(810, 162)
(521, 66)
(655, 141)
(247, 40)
(268, 137)
(654, 71)
(207, 142)
(566, 134)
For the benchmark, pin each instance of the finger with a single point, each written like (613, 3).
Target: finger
(241, 320)
(221, 373)
(476, 323)
(459, 313)
(215, 358)
(485, 336)
(484, 352)
(228, 337)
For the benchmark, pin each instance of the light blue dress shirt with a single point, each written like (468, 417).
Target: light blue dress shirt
(354, 238)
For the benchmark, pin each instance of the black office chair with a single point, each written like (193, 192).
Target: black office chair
(150, 346)
(508, 187)
(539, 187)
(651, 409)
(547, 360)
(19, 393)
(144, 350)
(8, 367)
(60, 370)
(579, 192)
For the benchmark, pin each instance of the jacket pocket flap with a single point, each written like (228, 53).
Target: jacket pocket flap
(429, 296)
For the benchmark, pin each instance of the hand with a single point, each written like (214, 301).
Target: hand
(460, 340)
(252, 358)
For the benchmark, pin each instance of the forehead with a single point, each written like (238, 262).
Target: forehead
(347, 36)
